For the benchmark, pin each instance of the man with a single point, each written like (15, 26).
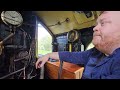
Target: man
(102, 61)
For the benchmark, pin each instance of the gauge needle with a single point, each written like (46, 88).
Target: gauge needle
(10, 19)
(9, 14)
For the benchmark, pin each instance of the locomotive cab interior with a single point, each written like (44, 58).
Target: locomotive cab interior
(23, 41)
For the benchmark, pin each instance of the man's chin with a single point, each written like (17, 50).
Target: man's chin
(95, 43)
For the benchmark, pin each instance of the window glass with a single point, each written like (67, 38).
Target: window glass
(44, 41)
(90, 46)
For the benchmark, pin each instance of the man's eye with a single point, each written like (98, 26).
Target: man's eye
(102, 23)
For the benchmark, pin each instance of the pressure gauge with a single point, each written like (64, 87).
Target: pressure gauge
(12, 18)
(72, 36)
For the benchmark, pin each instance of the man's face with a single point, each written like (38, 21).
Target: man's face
(107, 30)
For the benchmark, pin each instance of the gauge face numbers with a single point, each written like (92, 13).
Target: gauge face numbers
(12, 18)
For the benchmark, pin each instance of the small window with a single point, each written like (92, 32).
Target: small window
(44, 41)
(90, 46)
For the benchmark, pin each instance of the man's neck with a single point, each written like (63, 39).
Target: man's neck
(108, 49)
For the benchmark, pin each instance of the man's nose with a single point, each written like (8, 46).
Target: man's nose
(96, 28)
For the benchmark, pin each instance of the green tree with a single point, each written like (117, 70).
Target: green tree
(44, 44)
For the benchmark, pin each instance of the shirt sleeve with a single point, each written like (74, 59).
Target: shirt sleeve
(75, 57)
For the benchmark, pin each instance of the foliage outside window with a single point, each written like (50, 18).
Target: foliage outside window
(44, 41)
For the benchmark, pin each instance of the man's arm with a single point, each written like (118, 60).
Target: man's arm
(75, 57)
(41, 61)
(72, 57)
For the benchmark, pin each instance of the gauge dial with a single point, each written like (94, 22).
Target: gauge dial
(12, 18)
(72, 36)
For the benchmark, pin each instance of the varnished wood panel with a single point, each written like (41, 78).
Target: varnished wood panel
(69, 71)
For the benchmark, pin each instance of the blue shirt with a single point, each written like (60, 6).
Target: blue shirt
(96, 64)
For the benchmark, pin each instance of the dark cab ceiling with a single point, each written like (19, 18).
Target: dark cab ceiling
(63, 21)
